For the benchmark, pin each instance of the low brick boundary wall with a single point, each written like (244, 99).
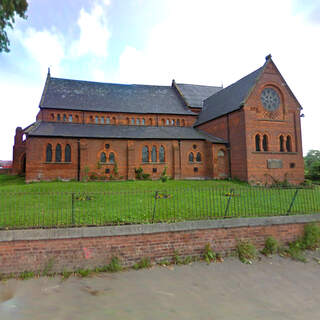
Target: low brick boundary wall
(89, 247)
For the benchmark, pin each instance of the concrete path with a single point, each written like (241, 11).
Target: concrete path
(273, 288)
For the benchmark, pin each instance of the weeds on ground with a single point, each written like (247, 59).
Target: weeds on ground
(25, 275)
(246, 251)
(83, 272)
(114, 265)
(142, 264)
(48, 267)
(209, 255)
(176, 259)
(271, 246)
(66, 274)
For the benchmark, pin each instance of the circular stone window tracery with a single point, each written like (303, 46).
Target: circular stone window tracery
(270, 99)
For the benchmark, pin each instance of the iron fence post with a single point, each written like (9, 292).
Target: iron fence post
(228, 203)
(292, 201)
(155, 205)
(72, 209)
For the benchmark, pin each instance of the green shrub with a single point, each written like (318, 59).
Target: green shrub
(163, 176)
(93, 176)
(140, 175)
(25, 275)
(114, 265)
(295, 251)
(176, 258)
(209, 255)
(311, 237)
(84, 272)
(246, 251)
(142, 264)
(271, 246)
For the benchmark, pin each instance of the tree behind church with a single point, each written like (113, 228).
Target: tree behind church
(8, 10)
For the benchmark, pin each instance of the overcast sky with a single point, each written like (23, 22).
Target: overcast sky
(154, 41)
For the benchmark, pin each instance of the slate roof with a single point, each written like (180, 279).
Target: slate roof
(59, 129)
(228, 99)
(95, 96)
(194, 94)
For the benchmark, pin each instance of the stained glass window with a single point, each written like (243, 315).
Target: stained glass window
(49, 153)
(67, 153)
(288, 144)
(154, 154)
(58, 153)
(161, 154)
(265, 142)
(198, 157)
(111, 157)
(258, 142)
(103, 157)
(191, 157)
(145, 154)
(281, 144)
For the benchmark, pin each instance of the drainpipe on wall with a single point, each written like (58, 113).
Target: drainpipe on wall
(228, 145)
(79, 161)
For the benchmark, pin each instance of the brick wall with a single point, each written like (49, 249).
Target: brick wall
(69, 251)
(128, 156)
(51, 115)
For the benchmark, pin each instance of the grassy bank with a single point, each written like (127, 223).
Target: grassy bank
(50, 204)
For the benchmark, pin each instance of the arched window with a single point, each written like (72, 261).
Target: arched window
(111, 157)
(70, 117)
(258, 142)
(107, 120)
(191, 157)
(288, 144)
(167, 122)
(52, 116)
(137, 122)
(58, 153)
(58, 117)
(154, 154)
(102, 120)
(145, 154)
(265, 142)
(64, 117)
(67, 153)
(143, 122)
(103, 157)
(178, 123)
(281, 143)
(161, 154)
(198, 157)
(49, 153)
(97, 119)
(220, 153)
(132, 121)
(163, 122)
(183, 123)
(172, 122)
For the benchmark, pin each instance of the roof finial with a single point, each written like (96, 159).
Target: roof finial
(48, 75)
(268, 57)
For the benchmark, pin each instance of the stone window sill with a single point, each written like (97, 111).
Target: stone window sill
(52, 162)
(107, 163)
(273, 152)
(153, 163)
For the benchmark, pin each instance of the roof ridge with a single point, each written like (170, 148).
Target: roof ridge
(110, 83)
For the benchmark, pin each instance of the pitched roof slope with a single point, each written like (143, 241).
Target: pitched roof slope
(110, 97)
(194, 95)
(229, 99)
(59, 129)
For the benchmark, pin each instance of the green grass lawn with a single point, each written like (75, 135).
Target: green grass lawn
(50, 204)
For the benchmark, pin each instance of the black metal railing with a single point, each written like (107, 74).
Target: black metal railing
(56, 209)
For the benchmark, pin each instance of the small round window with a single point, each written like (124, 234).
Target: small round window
(270, 99)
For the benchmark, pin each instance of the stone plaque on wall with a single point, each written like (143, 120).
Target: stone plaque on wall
(274, 164)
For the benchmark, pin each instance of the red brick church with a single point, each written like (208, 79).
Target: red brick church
(249, 130)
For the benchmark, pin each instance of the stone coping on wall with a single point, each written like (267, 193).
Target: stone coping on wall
(88, 232)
